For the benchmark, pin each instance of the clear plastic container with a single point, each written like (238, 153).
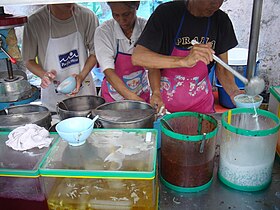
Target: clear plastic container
(248, 148)
(114, 169)
(20, 186)
(274, 107)
(187, 155)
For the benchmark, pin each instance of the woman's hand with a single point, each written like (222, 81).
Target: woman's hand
(135, 97)
(47, 78)
(156, 101)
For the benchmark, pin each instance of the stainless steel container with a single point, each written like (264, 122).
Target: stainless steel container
(132, 114)
(78, 106)
(14, 90)
(16, 116)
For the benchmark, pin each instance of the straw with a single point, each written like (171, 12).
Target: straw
(229, 116)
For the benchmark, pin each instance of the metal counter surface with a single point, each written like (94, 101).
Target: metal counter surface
(220, 197)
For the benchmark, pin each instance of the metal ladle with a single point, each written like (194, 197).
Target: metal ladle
(167, 125)
(253, 87)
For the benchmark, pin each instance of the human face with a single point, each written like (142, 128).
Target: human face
(204, 8)
(124, 15)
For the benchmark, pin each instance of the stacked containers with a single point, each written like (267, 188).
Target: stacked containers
(248, 148)
(187, 155)
(274, 107)
(237, 59)
(19, 177)
(114, 169)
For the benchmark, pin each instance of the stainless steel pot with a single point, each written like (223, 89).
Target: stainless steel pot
(78, 106)
(20, 115)
(124, 119)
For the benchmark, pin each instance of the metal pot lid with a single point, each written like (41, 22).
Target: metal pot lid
(126, 111)
(24, 114)
(80, 103)
(124, 115)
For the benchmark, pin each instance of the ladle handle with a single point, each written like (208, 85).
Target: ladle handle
(235, 73)
(220, 61)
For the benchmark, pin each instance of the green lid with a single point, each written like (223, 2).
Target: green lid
(107, 153)
(20, 163)
(200, 118)
(275, 91)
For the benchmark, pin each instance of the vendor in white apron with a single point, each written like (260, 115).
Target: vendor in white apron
(64, 56)
(114, 42)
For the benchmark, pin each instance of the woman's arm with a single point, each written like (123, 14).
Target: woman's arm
(154, 79)
(119, 85)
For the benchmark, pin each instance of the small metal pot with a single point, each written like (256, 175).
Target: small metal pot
(20, 115)
(78, 106)
(127, 121)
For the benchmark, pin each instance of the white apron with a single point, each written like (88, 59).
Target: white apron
(67, 55)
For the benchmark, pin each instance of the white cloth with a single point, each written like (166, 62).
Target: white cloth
(28, 137)
(67, 55)
(108, 35)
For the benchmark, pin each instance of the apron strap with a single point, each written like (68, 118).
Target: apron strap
(50, 24)
(207, 30)
(179, 29)
(118, 46)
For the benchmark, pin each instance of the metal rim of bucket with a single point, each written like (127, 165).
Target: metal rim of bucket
(184, 137)
(245, 132)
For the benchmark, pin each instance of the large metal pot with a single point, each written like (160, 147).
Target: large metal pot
(78, 106)
(134, 119)
(20, 115)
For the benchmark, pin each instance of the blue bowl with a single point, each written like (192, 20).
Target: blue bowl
(243, 101)
(75, 130)
(67, 85)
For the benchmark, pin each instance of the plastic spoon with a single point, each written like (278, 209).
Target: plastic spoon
(253, 87)
(93, 121)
